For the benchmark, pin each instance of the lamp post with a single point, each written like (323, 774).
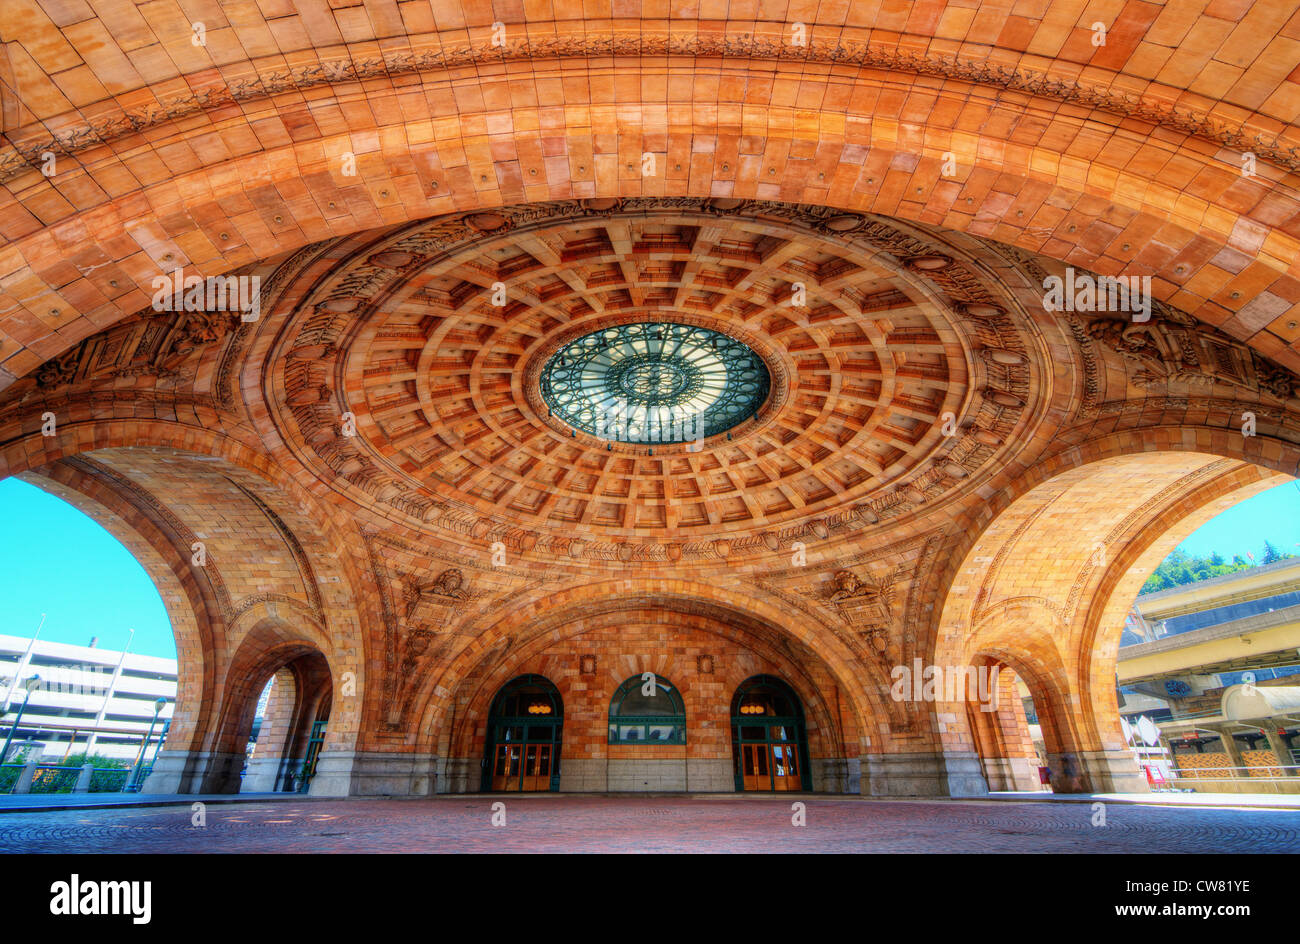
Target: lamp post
(131, 785)
(33, 683)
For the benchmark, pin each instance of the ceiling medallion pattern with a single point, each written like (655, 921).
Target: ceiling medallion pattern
(896, 331)
(654, 383)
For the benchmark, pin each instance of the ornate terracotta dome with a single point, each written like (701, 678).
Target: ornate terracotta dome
(891, 383)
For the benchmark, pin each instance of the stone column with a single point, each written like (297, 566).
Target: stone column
(1278, 743)
(267, 763)
(1230, 746)
(223, 770)
(194, 772)
(170, 774)
(1115, 771)
(24, 784)
(83, 778)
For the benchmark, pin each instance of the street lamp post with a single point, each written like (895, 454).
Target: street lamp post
(131, 785)
(33, 683)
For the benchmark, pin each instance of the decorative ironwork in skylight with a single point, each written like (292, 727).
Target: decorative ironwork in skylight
(654, 382)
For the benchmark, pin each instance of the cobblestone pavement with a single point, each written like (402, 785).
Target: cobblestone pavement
(651, 824)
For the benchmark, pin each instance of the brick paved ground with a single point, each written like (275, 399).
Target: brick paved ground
(652, 824)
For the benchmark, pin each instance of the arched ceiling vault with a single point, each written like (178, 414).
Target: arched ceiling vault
(1118, 157)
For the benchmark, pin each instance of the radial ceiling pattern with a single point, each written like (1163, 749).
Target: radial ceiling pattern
(458, 347)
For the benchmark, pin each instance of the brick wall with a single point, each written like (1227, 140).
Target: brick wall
(1002, 736)
(589, 762)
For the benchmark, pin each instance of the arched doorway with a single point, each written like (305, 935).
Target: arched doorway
(769, 742)
(283, 757)
(999, 719)
(315, 741)
(523, 738)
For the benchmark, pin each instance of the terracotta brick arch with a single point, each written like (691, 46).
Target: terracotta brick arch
(669, 640)
(1019, 641)
(1107, 194)
(999, 726)
(1116, 591)
(1272, 457)
(482, 683)
(285, 494)
(552, 618)
(271, 644)
(160, 487)
(292, 617)
(188, 596)
(322, 524)
(1045, 586)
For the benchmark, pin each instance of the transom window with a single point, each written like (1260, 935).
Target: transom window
(647, 709)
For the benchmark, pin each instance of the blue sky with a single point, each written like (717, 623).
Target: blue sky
(1273, 515)
(55, 560)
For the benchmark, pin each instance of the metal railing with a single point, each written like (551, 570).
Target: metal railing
(1272, 778)
(9, 774)
(109, 779)
(56, 778)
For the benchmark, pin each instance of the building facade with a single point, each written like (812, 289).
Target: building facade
(90, 700)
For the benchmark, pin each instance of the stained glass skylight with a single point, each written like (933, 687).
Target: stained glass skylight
(654, 382)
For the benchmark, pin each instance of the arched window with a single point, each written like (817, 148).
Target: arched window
(647, 709)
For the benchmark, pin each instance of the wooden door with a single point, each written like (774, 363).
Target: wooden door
(523, 767)
(785, 767)
(757, 767)
(537, 767)
(505, 767)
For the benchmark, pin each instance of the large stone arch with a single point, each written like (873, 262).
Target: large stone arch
(547, 614)
(1047, 583)
(148, 490)
(833, 727)
(1076, 201)
(470, 680)
(274, 641)
(1020, 644)
(189, 598)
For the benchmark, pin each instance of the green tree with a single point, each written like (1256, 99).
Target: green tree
(98, 760)
(1181, 568)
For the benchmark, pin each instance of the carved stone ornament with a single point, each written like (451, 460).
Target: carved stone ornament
(446, 589)
(149, 347)
(1169, 349)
